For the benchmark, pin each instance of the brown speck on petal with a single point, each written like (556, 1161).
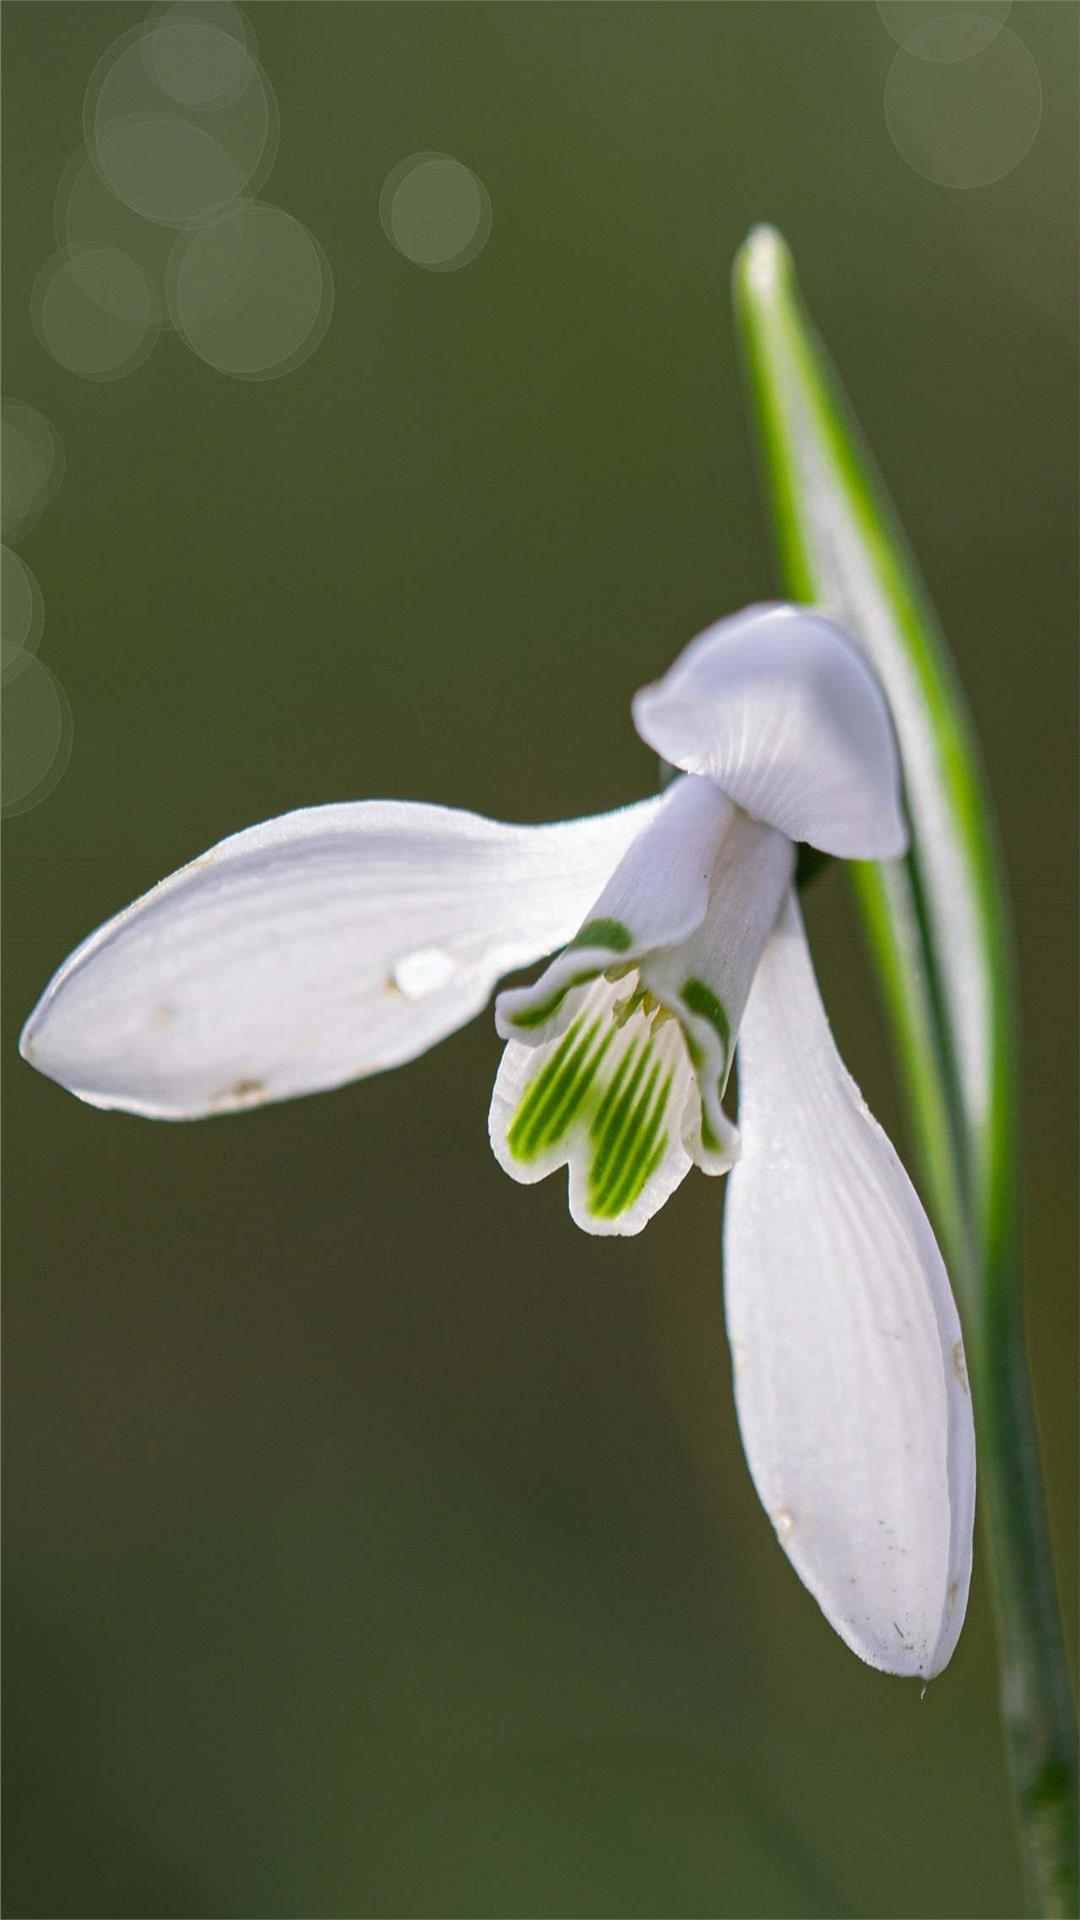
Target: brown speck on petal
(241, 1093)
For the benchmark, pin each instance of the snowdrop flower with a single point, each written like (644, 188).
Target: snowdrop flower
(341, 940)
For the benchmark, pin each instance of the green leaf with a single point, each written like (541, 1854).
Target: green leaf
(939, 934)
(935, 919)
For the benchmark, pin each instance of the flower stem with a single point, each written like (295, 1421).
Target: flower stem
(939, 933)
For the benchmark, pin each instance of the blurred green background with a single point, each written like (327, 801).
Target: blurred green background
(378, 1545)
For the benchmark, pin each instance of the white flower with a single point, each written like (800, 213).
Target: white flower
(341, 940)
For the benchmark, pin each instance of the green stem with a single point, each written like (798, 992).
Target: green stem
(938, 929)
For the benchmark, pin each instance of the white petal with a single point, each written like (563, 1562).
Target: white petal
(849, 1363)
(656, 982)
(705, 979)
(304, 952)
(657, 895)
(608, 1100)
(783, 712)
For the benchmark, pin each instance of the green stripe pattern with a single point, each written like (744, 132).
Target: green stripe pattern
(553, 1101)
(621, 1116)
(627, 1135)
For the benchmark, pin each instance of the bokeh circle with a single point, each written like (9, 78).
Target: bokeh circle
(196, 65)
(32, 465)
(968, 123)
(22, 608)
(251, 292)
(36, 728)
(87, 215)
(225, 15)
(944, 30)
(96, 311)
(436, 211)
(179, 119)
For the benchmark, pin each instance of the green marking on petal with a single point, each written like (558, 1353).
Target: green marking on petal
(577, 1085)
(615, 1111)
(536, 1015)
(552, 1101)
(630, 1139)
(603, 933)
(614, 1090)
(538, 1092)
(601, 1097)
(700, 999)
(641, 1149)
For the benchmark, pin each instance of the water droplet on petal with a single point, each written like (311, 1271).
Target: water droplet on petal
(423, 972)
(784, 1522)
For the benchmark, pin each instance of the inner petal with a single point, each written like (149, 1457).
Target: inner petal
(705, 979)
(613, 1098)
(657, 895)
(618, 1057)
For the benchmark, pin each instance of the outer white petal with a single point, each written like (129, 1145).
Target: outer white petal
(849, 1364)
(785, 715)
(299, 954)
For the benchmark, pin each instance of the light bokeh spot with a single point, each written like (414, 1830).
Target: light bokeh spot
(251, 292)
(96, 312)
(167, 169)
(33, 464)
(944, 30)
(87, 216)
(436, 211)
(225, 15)
(196, 64)
(22, 608)
(179, 119)
(968, 123)
(36, 730)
